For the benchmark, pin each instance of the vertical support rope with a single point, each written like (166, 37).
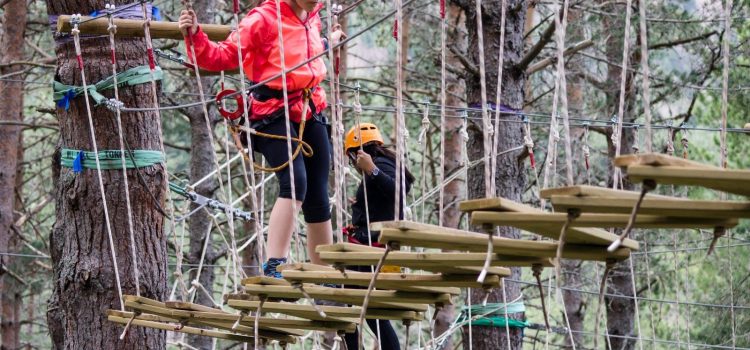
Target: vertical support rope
(562, 25)
(725, 79)
(617, 134)
(498, 101)
(399, 116)
(645, 84)
(489, 191)
(441, 198)
(155, 96)
(112, 29)
(339, 190)
(230, 214)
(287, 121)
(77, 42)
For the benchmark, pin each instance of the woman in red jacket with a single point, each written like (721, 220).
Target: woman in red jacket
(259, 44)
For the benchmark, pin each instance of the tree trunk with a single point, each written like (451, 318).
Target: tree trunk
(84, 286)
(202, 162)
(510, 176)
(11, 152)
(453, 145)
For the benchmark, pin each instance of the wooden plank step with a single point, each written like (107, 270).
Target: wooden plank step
(576, 235)
(731, 181)
(387, 299)
(391, 281)
(677, 207)
(554, 221)
(141, 322)
(658, 159)
(267, 327)
(477, 242)
(425, 280)
(458, 263)
(308, 312)
(592, 191)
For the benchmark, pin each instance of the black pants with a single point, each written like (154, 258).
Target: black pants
(310, 174)
(388, 338)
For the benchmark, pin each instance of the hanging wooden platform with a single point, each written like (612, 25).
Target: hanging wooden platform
(430, 283)
(665, 169)
(386, 280)
(386, 299)
(533, 222)
(576, 235)
(676, 207)
(129, 28)
(267, 327)
(154, 322)
(477, 242)
(456, 263)
(309, 312)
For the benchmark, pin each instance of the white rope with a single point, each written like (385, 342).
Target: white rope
(112, 29)
(443, 101)
(498, 101)
(489, 191)
(725, 83)
(77, 41)
(287, 120)
(561, 26)
(204, 106)
(617, 134)
(399, 116)
(645, 85)
(339, 191)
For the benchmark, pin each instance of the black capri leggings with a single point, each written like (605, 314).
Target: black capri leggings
(310, 174)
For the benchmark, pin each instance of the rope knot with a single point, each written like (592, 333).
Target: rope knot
(113, 104)
(357, 107)
(528, 141)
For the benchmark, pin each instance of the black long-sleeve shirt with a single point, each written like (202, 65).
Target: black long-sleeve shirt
(381, 192)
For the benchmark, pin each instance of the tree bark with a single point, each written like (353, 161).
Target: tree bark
(11, 153)
(84, 286)
(510, 176)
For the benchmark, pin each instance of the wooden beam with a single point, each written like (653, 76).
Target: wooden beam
(460, 263)
(392, 281)
(309, 312)
(555, 221)
(658, 159)
(268, 328)
(158, 322)
(731, 181)
(130, 28)
(138, 321)
(592, 191)
(652, 206)
(387, 299)
(592, 236)
(477, 242)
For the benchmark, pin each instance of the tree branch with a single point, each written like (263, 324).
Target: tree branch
(679, 42)
(552, 59)
(535, 50)
(473, 69)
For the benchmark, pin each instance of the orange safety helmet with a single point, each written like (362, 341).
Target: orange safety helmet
(367, 131)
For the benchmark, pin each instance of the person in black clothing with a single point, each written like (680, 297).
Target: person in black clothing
(377, 165)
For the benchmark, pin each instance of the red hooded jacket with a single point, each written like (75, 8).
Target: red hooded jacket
(262, 58)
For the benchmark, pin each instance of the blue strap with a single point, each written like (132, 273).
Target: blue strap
(155, 13)
(64, 102)
(78, 162)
